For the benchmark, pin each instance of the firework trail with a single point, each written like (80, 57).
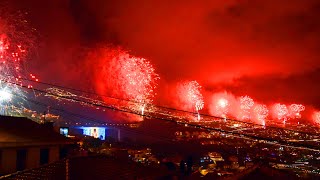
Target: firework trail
(246, 103)
(261, 112)
(127, 77)
(189, 94)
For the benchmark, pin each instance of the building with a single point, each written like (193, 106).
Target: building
(214, 156)
(141, 155)
(25, 144)
(101, 132)
(234, 162)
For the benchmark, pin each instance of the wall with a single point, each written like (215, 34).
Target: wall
(54, 153)
(8, 161)
(9, 158)
(33, 157)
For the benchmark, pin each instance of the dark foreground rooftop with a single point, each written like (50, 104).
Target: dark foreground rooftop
(20, 131)
(95, 167)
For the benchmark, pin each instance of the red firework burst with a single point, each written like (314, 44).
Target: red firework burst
(246, 103)
(281, 112)
(16, 42)
(316, 117)
(295, 110)
(189, 94)
(221, 104)
(127, 77)
(261, 112)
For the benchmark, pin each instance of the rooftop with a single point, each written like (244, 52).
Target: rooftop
(20, 131)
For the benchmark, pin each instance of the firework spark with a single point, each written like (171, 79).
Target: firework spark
(246, 103)
(316, 117)
(280, 112)
(295, 110)
(16, 42)
(222, 104)
(261, 112)
(128, 77)
(189, 94)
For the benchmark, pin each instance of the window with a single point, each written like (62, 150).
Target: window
(21, 159)
(63, 152)
(44, 156)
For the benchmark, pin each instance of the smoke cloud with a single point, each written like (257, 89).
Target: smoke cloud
(266, 49)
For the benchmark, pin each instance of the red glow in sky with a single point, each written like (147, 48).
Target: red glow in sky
(266, 49)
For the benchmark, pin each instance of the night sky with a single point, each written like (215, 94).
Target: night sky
(268, 50)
